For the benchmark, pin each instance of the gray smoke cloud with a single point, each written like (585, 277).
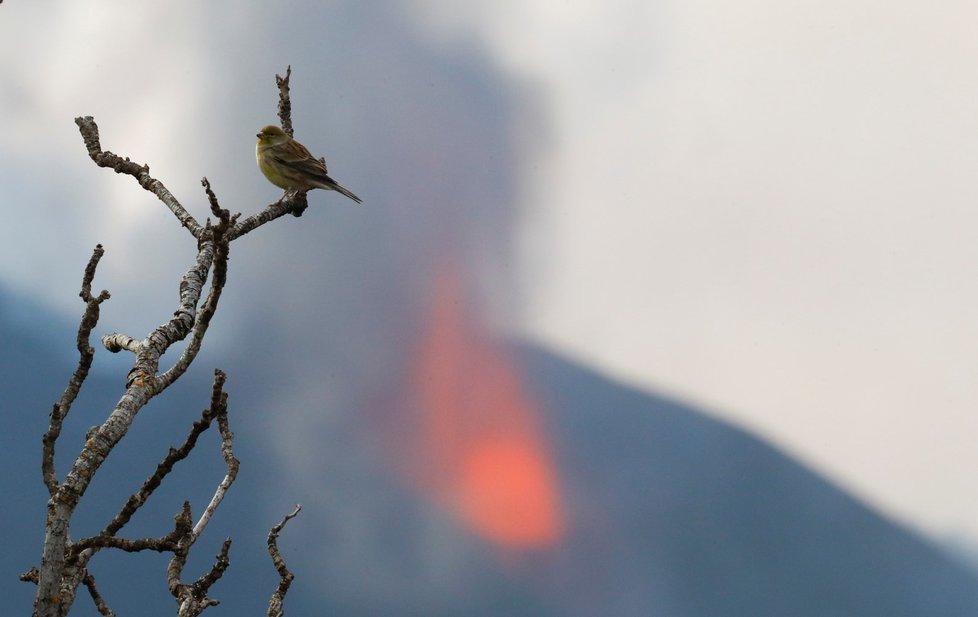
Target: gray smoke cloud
(322, 313)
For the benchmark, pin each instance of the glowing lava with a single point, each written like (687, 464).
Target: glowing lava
(482, 455)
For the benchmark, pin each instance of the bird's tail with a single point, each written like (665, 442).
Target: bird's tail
(339, 189)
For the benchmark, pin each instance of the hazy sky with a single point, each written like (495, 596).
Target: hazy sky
(762, 207)
(765, 207)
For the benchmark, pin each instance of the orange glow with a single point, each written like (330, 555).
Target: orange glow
(508, 492)
(481, 453)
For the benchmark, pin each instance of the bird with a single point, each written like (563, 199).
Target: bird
(289, 165)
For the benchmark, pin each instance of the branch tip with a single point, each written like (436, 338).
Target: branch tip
(286, 576)
(123, 165)
(284, 101)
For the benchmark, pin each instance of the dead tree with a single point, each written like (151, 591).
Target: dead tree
(64, 560)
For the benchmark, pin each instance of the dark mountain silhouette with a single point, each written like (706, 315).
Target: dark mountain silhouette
(706, 519)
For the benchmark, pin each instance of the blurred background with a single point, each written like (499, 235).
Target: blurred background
(652, 308)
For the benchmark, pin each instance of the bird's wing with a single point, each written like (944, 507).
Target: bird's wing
(299, 158)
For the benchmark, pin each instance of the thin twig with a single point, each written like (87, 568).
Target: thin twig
(300, 203)
(206, 580)
(31, 576)
(100, 604)
(192, 599)
(84, 549)
(284, 102)
(160, 545)
(290, 203)
(89, 131)
(86, 354)
(184, 522)
(275, 604)
(219, 403)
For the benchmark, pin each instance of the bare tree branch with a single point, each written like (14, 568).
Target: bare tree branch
(284, 101)
(291, 203)
(221, 563)
(89, 131)
(86, 354)
(275, 604)
(219, 406)
(285, 119)
(30, 576)
(175, 455)
(192, 599)
(179, 559)
(57, 583)
(180, 325)
(160, 545)
(221, 242)
(119, 342)
(100, 604)
(63, 567)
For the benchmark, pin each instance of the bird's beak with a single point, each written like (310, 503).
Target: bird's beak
(258, 135)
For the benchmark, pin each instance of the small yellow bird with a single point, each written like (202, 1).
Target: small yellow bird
(289, 165)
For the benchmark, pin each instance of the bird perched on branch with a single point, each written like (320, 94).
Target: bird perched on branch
(289, 165)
